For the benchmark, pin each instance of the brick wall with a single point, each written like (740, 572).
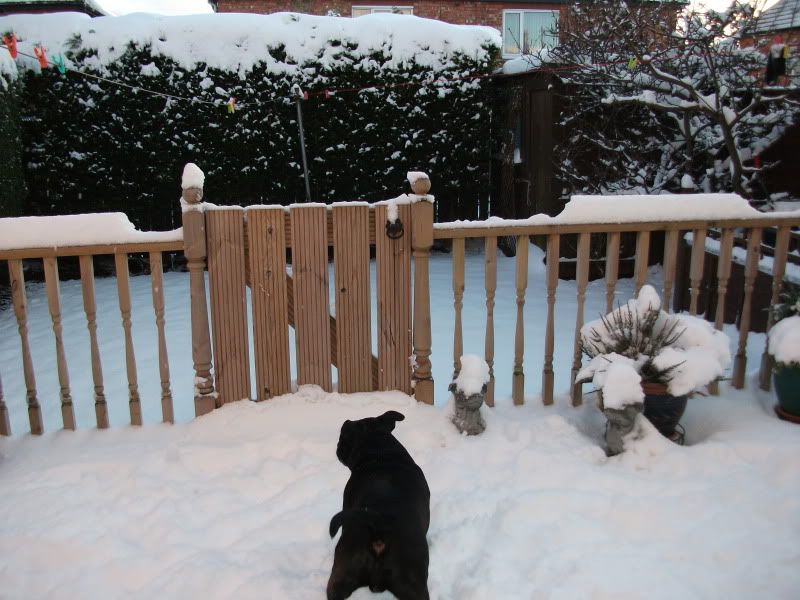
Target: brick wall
(461, 13)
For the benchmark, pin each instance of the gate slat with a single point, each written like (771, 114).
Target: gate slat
(351, 260)
(19, 298)
(311, 300)
(54, 305)
(393, 259)
(90, 308)
(124, 295)
(226, 276)
(267, 249)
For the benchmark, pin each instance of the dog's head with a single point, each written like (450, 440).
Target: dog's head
(354, 433)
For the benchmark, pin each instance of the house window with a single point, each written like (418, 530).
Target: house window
(525, 31)
(360, 11)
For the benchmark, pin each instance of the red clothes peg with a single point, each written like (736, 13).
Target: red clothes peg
(10, 41)
(39, 53)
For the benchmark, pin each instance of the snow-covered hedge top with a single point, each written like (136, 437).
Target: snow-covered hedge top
(699, 355)
(8, 68)
(77, 230)
(634, 209)
(236, 42)
(784, 340)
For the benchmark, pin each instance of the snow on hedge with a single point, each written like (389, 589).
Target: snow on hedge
(237, 42)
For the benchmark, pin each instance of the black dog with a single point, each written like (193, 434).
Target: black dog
(385, 514)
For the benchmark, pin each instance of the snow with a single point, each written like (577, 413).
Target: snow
(623, 385)
(237, 42)
(635, 208)
(77, 230)
(474, 374)
(237, 503)
(414, 176)
(784, 340)
(193, 177)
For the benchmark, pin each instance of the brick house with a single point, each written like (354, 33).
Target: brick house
(91, 8)
(777, 34)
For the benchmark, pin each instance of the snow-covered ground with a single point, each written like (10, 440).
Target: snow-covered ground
(236, 504)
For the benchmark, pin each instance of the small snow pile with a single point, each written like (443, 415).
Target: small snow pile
(193, 177)
(639, 341)
(77, 230)
(784, 341)
(474, 374)
(414, 176)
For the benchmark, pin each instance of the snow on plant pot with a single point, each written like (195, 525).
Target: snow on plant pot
(784, 346)
(641, 355)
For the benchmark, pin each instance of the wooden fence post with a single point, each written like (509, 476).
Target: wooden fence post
(421, 242)
(194, 249)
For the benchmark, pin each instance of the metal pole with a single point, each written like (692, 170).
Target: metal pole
(298, 96)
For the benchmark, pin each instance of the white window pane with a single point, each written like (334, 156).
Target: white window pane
(511, 33)
(538, 26)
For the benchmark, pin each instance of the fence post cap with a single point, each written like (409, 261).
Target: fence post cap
(420, 183)
(192, 183)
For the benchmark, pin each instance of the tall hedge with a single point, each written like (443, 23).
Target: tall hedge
(12, 180)
(95, 146)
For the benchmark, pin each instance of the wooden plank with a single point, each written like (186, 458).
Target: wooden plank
(311, 299)
(124, 295)
(287, 229)
(582, 277)
(157, 288)
(750, 273)
(92, 250)
(352, 279)
(642, 257)
(778, 270)
(90, 308)
(393, 261)
(5, 422)
(54, 306)
(671, 240)
(490, 284)
(521, 281)
(696, 268)
(553, 245)
(20, 301)
(458, 304)
(612, 267)
(226, 277)
(267, 255)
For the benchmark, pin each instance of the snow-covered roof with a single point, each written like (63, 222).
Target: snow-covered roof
(783, 15)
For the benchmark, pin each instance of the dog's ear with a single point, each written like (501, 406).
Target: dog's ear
(346, 441)
(387, 420)
(336, 522)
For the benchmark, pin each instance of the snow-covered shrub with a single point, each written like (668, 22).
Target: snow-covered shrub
(409, 103)
(638, 342)
(784, 337)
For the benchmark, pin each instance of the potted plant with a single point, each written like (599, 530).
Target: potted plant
(784, 346)
(647, 360)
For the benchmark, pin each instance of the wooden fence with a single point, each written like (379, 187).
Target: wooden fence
(283, 256)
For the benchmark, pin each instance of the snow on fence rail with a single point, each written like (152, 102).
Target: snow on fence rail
(247, 247)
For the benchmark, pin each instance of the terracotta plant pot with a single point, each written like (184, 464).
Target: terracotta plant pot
(662, 409)
(787, 388)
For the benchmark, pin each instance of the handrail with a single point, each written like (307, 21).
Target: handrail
(94, 249)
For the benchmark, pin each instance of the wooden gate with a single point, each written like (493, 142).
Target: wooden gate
(282, 256)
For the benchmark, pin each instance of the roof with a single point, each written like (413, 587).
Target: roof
(90, 7)
(783, 15)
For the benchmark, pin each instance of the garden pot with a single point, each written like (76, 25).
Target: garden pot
(663, 410)
(787, 388)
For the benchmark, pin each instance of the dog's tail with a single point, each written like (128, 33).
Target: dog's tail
(375, 524)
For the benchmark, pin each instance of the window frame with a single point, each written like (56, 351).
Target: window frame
(382, 9)
(520, 12)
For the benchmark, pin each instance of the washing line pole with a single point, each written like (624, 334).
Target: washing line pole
(299, 96)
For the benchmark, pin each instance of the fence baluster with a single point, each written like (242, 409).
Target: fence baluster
(723, 276)
(490, 282)
(5, 422)
(518, 377)
(553, 248)
(20, 301)
(642, 258)
(458, 303)
(124, 295)
(612, 268)
(778, 269)
(582, 275)
(671, 240)
(90, 308)
(157, 285)
(750, 273)
(696, 268)
(54, 305)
